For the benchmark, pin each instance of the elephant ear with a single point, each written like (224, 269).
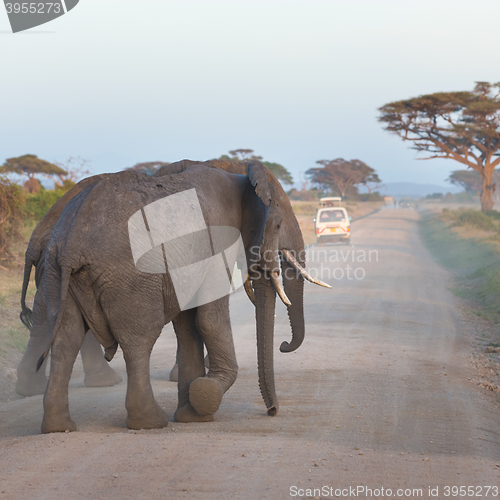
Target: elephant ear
(257, 173)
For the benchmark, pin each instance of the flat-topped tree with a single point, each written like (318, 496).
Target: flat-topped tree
(372, 182)
(246, 155)
(31, 165)
(462, 126)
(470, 180)
(280, 172)
(341, 174)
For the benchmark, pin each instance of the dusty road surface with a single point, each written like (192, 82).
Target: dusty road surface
(377, 397)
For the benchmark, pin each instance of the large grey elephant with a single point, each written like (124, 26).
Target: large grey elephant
(289, 237)
(97, 371)
(91, 278)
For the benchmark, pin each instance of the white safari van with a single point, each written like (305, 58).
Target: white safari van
(332, 222)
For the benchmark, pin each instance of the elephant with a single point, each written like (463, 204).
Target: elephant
(91, 279)
(289, 237)
(97, 371)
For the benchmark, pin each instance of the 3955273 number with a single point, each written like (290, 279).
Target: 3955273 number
(33, 8)
(470, 491)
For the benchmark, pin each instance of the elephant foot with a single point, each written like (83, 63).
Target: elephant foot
(31, 387)
(187, 414)
(154, 420)
(57, 423)
(104, 377)
(174, 373)
(205, 394)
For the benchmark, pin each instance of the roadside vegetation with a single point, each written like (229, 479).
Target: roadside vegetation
(22, 206)
(12, 201)
(467, 241)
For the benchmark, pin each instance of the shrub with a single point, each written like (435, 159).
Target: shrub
(434, 196)
(304, 194)
(476, 219)
(11, 214)
(493, 214)
(38, 204)
(376, 196)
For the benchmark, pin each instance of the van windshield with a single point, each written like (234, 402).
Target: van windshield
(331, 215)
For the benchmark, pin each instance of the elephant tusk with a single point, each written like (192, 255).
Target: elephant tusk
(293, 262)
(248, 288)
(279, 289)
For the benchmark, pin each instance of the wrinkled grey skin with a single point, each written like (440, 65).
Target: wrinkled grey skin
(289, 237)
(90, 272)
(29, 381)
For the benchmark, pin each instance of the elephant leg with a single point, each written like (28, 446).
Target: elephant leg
(136, 318)
(174, 372)
(98, 373)
(29, 381)
(214, 325)
(190, 363)
(142, 409)
(67, 342)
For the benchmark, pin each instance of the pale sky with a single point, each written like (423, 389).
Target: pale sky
(120, 81)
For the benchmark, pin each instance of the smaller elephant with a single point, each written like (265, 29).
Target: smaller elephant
(97, 371)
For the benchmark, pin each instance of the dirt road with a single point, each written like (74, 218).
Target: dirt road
(376, 397)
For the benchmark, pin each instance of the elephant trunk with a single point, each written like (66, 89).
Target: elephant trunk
(265, 302)
(294, 288)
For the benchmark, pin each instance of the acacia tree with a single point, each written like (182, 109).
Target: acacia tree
(244, 154)
(76, 167)
(31, 165)
(470, 180)
(340, 174)
(463, 126)
(279, 171)
(372, 182)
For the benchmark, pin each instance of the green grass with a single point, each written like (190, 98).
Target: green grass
(13, 334)
(13, 337)
(17, 337)
(472, 219)
(475, 261)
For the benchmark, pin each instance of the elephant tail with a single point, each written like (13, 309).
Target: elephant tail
(64, 289)
(26, 313)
